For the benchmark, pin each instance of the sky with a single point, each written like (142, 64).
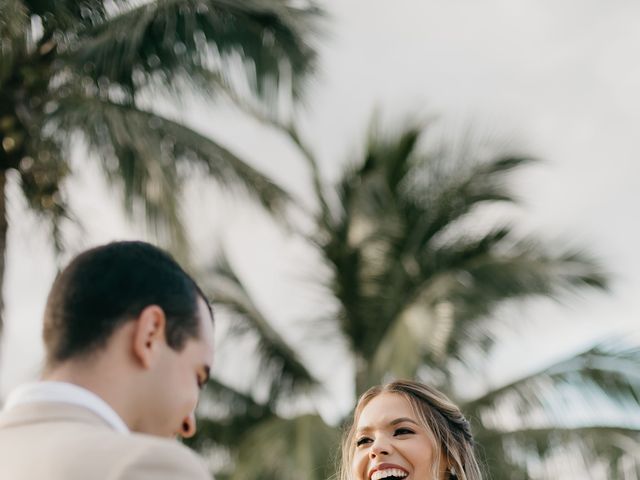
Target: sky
(557, 79)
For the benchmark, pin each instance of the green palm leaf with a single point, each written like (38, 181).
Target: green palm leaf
(225, 416)
(66, 15)
(558, 398)
(278, 361)
(261, 39)
(609, 451)
(608, 370)
(14, 21)
(41, 181)
(288, 449)
(416, 289)
(400, 246)
(88, 66)
(512, 269)
(152, 157)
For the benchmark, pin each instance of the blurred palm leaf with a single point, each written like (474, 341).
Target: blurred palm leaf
(263, 40)
(609, 452)
(417, 277)
(288, 449)
(231, 415)
(534, 416)
(90, 67)
(611, 372)
(279, 363)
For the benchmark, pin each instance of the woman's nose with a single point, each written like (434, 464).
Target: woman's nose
(380, 446)
(188, 427)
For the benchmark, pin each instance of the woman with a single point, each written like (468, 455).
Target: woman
(407, 430)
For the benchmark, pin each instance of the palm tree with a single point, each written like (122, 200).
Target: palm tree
(417, 282)
(85, 72)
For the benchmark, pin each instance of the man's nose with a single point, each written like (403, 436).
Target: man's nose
(188, 428)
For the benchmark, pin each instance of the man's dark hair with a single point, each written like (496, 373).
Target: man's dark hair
(105, 287)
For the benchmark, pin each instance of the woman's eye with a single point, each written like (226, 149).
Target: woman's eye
(362, 441)
(403, 431)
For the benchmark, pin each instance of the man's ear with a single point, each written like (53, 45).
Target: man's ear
(149, 334)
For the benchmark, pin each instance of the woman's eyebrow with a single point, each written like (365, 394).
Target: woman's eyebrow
(396, 421)
(402, 420)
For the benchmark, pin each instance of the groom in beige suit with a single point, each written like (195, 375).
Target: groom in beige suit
(129, 343)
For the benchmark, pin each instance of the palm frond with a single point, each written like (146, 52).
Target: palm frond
(398, 207)
(389, 157)
(67, 16)
(225, 415)
(262, 40)
(279, 363)
(497, 459)
(230, 401)
(14, 28)
(42, 183)
(366, 195)
(137, 151)
(498, 264)
(151, 156)
(478, 275)
(366, 186)
(611, 451)
(442, 193)
(14, 17)
(451, 288)
(416, 288)
(288, 449)
(400, 352)
(605, 373)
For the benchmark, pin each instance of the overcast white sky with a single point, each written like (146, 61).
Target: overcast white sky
(559, 78)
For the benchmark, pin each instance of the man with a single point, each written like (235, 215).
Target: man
(129, 342)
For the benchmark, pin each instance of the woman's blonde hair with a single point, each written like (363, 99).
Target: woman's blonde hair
(451, 432)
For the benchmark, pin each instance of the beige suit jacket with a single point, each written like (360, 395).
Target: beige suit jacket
(56, 441)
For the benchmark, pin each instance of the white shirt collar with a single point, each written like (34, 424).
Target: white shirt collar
(63, 392)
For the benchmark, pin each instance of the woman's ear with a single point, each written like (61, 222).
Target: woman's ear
(149, 335)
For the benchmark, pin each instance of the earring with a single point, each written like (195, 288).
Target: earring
(452, 474)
